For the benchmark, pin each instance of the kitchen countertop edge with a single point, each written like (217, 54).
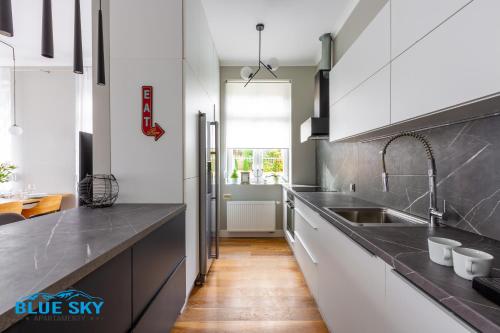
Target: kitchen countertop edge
(453, 304)
(9, 318)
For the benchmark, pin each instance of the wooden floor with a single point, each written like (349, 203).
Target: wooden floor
(255, 286)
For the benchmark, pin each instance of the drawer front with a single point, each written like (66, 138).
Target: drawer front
(161, 314)
(154, 259)
(308, 232)
(308, 264)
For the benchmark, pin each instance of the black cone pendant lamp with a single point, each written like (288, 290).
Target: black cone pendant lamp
(101, 69)
(47, 33)
(6, 26)
(77, 47)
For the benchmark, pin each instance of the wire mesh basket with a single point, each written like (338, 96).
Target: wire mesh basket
(98, 191)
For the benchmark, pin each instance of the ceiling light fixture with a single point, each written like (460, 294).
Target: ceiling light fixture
(15, 129)
(247, 73)
(47, 33)
(6, 26)
(101, 70)
(77, 46)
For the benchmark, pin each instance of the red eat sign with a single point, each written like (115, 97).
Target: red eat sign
(147, 115)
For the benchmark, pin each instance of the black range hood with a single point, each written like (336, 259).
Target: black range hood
(317, 127)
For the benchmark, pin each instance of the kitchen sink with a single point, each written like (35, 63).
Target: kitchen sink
(377, 216)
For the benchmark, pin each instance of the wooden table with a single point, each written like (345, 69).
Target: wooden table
(68, 201)
(27, 202)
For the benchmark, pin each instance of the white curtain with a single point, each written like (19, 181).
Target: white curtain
(258, 115)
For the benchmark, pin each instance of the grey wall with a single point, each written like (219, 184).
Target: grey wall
(303, 169)
(467, 158)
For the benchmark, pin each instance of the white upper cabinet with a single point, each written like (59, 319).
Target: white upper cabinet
(366, 108)
(369, 53)
(413, 19)
(457, 63)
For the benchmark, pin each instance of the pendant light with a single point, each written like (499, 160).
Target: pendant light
(15, 129)
(47, 33)
(101, 69)
(6, 26)
(247, 73)
(77, 47)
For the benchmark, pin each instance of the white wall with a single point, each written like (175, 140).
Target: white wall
(201, 93)
(46, 110)
(101, 138)
(146, 49)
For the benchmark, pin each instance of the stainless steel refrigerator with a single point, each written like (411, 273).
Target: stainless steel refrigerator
(209, 198)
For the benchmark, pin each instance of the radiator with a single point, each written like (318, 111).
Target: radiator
(251, 216)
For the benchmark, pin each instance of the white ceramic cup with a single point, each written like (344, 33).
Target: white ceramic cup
(440, 250)
(469, 263)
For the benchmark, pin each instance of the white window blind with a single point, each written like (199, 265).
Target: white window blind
(258, 115)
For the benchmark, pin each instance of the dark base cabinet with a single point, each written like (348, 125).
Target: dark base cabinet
(162, 313)
(154, 259)
(143, 288)
(112, 283)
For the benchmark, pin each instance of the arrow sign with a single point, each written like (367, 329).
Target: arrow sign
(147, 115)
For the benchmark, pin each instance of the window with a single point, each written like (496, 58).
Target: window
(257, 122)
(265, 166)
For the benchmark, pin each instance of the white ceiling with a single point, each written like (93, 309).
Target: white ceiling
(27, 17)
(292, 28)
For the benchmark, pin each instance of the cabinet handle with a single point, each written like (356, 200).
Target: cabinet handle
(305, 219)
(314, 261)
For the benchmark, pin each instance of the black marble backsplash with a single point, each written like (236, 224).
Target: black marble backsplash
(467, 160)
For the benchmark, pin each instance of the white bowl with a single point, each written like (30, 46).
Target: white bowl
(440, 250)
(470, 263)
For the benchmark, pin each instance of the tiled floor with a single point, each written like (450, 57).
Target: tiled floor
(255, 286)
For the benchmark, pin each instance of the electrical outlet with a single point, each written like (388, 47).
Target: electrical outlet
(352, 187)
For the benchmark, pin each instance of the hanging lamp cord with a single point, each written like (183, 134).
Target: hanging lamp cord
(14, 78)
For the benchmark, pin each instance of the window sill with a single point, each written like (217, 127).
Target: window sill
(254, 184)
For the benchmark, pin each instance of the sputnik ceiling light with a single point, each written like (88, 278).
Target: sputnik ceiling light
(6, 26)
(247, 73)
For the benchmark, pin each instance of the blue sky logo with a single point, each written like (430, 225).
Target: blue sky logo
(68, 302)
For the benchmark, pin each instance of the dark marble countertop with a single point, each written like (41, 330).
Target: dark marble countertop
(405, 249)
(52, 252)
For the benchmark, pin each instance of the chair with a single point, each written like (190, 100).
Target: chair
(11, 207)
(6, 218)
(47, 205)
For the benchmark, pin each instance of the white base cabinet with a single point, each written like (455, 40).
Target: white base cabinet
(351, 283)
(358, 292)
(410, 310)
